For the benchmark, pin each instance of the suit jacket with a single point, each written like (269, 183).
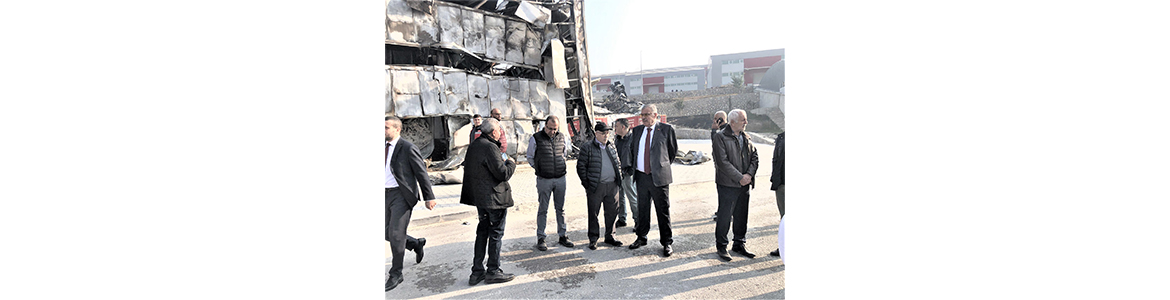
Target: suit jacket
(486, 175)
(410, 172)
(731, 160)
(663, 149)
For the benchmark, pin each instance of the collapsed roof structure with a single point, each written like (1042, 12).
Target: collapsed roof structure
(449, 60)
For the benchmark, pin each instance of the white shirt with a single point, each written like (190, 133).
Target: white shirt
(646, 134)
(390, 181)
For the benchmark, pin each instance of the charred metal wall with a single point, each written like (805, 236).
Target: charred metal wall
(448, 60)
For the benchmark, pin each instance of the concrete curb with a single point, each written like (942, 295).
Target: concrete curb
(443, 217)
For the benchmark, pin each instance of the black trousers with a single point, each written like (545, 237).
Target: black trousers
(605, 195)
(397, 218)
(488, 237)
(660, 197)
(733, 209)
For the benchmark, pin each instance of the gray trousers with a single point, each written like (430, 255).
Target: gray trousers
(605, 195)
(397, 218)
(627, 192)
(554, 187)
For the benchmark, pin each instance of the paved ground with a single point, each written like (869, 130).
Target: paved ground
(694, 271)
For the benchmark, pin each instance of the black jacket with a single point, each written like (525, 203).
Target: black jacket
(589, 164)
(410, 172)
(549, 155)
(663, 149)
(778, 162)
(732, 161)
(622, 144)
(485, 176)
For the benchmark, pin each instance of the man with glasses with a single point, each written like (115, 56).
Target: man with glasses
(655, 149)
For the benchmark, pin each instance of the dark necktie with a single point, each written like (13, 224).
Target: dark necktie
(646, 154)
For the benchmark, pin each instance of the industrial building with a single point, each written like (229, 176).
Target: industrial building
(719, 70)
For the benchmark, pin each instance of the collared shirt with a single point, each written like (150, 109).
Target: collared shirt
(390, 181)
(532, 147)
(646, 134)
(608, 173)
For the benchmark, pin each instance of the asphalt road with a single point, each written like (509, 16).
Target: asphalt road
(693, 272)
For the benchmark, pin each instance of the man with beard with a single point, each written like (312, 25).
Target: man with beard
(406, 176)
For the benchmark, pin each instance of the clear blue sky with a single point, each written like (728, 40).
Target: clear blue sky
(677, 32)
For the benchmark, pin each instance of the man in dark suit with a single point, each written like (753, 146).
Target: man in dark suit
(485, 185)
(654, 149)
(736, 162)
(778, 178)
(406, 176)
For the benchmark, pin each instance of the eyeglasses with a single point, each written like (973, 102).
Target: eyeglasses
(646, 114)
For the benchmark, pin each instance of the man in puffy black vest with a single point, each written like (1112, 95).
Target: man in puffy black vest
(598, 168)
(547, 152)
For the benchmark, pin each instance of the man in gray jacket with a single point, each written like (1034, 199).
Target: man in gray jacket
(736, 162)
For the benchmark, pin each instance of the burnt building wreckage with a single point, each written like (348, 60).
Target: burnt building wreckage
(449, 60)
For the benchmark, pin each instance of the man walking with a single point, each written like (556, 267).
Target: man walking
(485, 185)
(655, 150)
(547, 152)
(778, 178)
(736, 162)
(406, 176)
(626, 192)
(597, 166)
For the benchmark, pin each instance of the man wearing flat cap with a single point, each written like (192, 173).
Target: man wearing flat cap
(600, 174)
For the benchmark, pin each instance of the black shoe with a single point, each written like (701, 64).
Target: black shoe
(418, 250)
(666, 251)
(565, 242)
(637, 243)
(723, 254)
(393, 282)
(593, 245)
(613, 242)
(620, 224)
(742, 251)
(498, 277)
(714, 218)
(475, 278)
(775, 252)
(540, 245)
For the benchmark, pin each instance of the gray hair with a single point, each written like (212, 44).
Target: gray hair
(653, 108)
(737, 114)
(489, 125)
